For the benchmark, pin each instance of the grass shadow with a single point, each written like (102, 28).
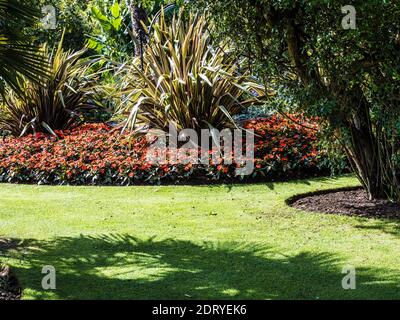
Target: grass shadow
(124, 267)
(388, 226)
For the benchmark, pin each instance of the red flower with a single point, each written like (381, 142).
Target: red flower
(84, 152)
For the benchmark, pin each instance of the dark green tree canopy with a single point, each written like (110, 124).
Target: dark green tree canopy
(348, 77)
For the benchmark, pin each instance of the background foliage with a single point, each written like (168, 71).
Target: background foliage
(18, 56)
(349, 78)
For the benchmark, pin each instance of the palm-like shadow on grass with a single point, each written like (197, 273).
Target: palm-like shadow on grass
(391, 226)
(123, 267)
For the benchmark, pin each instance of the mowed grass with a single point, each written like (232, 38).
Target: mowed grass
(194, 242)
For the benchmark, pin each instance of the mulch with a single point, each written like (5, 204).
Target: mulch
(353, 202)
(10, 288)
(9, 285)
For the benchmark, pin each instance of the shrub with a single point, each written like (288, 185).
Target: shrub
(110, 35)
(72, 20)
(95, 154)
(55, 102)
(348, 77)
(284, 148)
(185, 80)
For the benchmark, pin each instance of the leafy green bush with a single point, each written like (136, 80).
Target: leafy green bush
(348, 77)
(110, 35)
(72, 19)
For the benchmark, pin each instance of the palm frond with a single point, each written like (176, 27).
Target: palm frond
(18, 57)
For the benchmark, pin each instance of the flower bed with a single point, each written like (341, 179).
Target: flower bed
(96, 155)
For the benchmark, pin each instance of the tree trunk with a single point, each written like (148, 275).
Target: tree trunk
(363, 152)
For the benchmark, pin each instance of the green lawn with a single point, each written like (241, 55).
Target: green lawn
(228, 242)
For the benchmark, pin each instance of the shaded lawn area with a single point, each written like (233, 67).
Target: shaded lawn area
(200, 242)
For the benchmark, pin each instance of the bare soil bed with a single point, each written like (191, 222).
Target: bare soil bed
(352, 202)
(9, 285)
